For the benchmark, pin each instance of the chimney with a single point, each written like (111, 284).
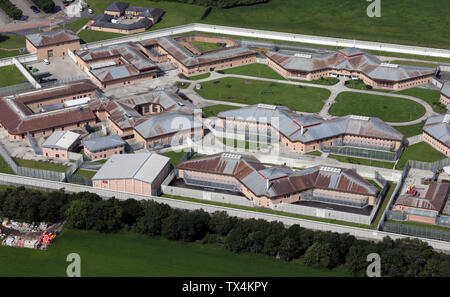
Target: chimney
(267, 183)
(302, 130)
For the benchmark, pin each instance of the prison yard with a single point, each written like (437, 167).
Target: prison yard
(10, 75)
(421, 151)
(389, 109)
(247, 91)
(256, 70)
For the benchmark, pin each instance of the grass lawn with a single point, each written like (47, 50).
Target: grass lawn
(321, 17)
(411, 130)
(255, 69)
(430, 96)
(196, 77)
(182, 85)
(130, 254)
(88, 36)
(389, 109)
(7, 54)
(384, 204)
(421, 152)
(314, 153)
(326, 81)
(357, 84)
(10, 75)
(423, 225)
(4, 167)
(40, 165)
(75, 25)
(414, 63)
(361, 161)
(12, 41)
(175, 157)
(86, 173)
(238, 90)
(213, 110)
(205, 46)
(243, 143)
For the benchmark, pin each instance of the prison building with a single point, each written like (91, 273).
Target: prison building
(167, 129)
(266, 186)
(145, 18)
(116, 65)
(445, 94)
(436, 132)
(59, 144)
(104, 147)
(190, 64)
(141, 173)
(351, 63)
(306, 133)
(55, 43)
(63, 94)
(424, 209)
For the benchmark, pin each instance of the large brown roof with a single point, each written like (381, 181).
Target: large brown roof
(52, 37)
(68, 89)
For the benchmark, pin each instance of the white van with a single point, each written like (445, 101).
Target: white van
(46, 62)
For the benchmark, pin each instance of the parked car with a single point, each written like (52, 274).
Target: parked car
(46, 62)
(34, 9)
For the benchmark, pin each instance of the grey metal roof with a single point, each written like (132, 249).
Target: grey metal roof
(352, 59)
(165, 123)
(105, 22)
(61, 140)
(52, 37)
(117, 6)
(446, 89)
(184, 56)
(145, 167)
(114, 72)
(103, 143)
(438, 127)
(290, 123)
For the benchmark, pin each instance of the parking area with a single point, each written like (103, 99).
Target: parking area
(24, 5)
(60, 68)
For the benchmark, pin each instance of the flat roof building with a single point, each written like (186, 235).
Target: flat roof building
(55, 43)
(445, 94)
(140, 173)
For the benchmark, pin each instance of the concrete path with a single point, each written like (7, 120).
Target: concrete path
(334, 89)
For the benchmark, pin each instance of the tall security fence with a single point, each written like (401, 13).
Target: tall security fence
(417, 230)
(16, 88)
(362, 152)
(431, 166)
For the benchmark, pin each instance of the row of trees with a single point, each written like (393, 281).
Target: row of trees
(45, 5)
(222, 3)
(10, 9)
(320, 249)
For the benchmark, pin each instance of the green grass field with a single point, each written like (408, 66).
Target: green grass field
(361, 161)
(129, 254)
(357, 84)
(414, 63)
(175, 157)
(205, 46)
(243, 144)
(307, 99)
(75, 25)
(421, 152)
(256, 69)
(86, 173)
(430, 96)
(40, 165)
(88, 36)
(4, 167)
(389, 109)
(12, 41)
(325, 81)
(346, 19)
(182, 85)
(10, 75)
(213, 110)
(315, 153)
(411, 130)
(198, 77)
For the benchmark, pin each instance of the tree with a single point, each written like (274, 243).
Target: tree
(131, 211)
(171, 227)
(78, 215)
(105, 216)
(319, 255)
(236, 240)
(152, 220)
(220, 223)
(193, 225)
